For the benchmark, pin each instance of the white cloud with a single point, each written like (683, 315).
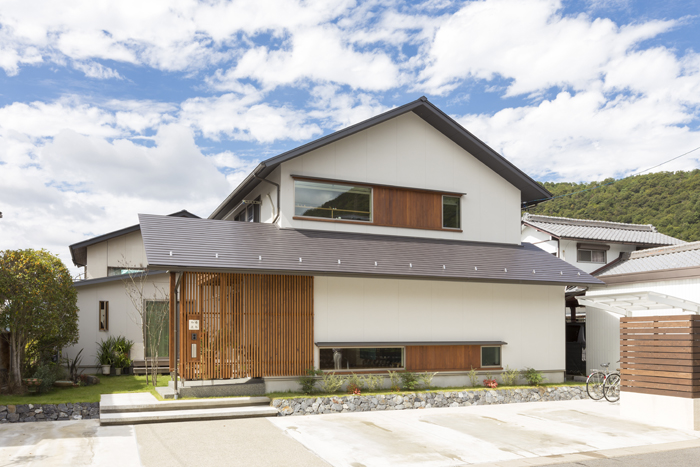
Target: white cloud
(96, 70)
(339, 110)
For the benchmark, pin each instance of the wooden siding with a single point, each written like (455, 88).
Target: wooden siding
(406, 208)
(443, 357)
(249, 325)
(661, 355)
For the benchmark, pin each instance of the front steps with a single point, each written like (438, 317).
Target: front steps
(137, 408)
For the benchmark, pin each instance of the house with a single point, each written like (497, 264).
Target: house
(589, 245)
(658, 281)
(105, 308)
(393, 244)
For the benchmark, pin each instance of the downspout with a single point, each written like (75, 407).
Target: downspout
(278, 196)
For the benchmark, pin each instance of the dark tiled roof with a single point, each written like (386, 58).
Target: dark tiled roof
(214, 245)
(78, 251)
(656, 259)
(614, 232)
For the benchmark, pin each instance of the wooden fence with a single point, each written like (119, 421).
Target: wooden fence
(249, 325)
(661, 355)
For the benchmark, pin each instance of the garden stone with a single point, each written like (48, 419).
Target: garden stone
(13, 417)
(29, 419)
(40, 416)
(39, 410)
(22, 409)
(3, 408)
(62, 407)
(3, 415)
(77, 417)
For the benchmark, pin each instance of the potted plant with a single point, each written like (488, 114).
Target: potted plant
(105, 354)
(122, 364)
(122, 347)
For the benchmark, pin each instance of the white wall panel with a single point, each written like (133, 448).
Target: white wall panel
(529, 318)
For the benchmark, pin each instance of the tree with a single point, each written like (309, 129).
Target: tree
(38, 306)
(152, 321)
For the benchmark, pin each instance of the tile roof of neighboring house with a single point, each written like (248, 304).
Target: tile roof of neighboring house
(655, 259)
(530, 190)
(78, 251)
(614, 232)
(227, 246)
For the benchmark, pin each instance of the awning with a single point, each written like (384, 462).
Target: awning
(639, 303)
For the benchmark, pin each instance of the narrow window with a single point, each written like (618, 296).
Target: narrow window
(490, 356)
(450, 212)
(332, 201)
(103, 316)
(364, 358)
(157, 328)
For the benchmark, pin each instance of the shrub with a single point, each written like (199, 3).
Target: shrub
(330, 382)
(308, 381)
(426, 379)
(409, 380)
(394, 381)
(354, 382)
(533, 377)
(48, 373)
(473, 377)
(509, 376)
(490, 383)
(372, 382)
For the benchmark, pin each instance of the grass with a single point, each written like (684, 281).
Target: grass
(108, 385)
(297, 395)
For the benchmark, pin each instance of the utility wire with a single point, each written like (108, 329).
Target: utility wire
(541, 200)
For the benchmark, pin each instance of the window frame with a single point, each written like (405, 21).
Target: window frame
(331, 219)
(579, 260)
(100, 304)
(401, 368)
(500, 356)
(459, 212)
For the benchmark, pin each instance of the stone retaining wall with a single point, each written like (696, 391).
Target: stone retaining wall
(48, 412)
(425, 400)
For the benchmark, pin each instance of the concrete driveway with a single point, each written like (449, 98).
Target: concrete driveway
(507, 435)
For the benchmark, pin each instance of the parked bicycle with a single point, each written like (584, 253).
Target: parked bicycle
(604, 383)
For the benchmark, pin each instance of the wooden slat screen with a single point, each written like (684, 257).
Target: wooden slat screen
(443, 357)
(405, 208)
(661, 355)
(250, 325)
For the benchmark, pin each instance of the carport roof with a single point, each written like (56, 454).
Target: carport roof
(627, 303)
(226, 246)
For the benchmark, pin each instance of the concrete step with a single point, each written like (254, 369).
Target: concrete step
(145, 402)
(180, 415)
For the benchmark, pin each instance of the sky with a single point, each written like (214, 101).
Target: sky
(110, 109)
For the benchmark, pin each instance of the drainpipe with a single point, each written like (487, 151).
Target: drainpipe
(278, 196)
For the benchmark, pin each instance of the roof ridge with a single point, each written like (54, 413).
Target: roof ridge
(588, 222)
(665, 250)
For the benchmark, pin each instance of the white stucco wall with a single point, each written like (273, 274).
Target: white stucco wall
(603, 327)
(529, 318)
(568, 252)
(268, 199)
(407, 151)
(123, 319)
(123, 250)
(540, 239)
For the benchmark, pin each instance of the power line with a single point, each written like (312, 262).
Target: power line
(541, 200)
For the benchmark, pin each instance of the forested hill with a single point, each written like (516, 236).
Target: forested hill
(668, 200)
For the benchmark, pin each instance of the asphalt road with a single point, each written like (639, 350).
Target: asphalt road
(676, 458)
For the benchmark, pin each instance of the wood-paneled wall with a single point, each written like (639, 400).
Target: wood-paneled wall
(250, 325)
(661, 355)
(405, 208)
(443, 357)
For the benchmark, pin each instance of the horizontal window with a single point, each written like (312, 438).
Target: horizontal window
(490, 356)
(450, 212)
(332, 201)
(591, 256)
(120, 271)
(361, 358)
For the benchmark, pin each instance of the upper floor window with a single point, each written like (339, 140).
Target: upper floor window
(592, 253)
(332, 201)
(251, 213)
(450, 212)
(120, 270)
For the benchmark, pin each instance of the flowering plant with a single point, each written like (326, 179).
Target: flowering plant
(490, 383)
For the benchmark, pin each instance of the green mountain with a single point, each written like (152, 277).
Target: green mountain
(668, 200)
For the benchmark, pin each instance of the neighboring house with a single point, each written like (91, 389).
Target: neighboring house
(589, 245)
(658, 281)
(105, 307)
(392, 244)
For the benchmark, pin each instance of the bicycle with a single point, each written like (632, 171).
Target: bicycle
(595, 383)
(611, 387)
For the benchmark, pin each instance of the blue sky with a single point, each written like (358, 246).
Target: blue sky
(108, 109)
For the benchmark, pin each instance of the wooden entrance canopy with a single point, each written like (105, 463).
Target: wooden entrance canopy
(241, 325)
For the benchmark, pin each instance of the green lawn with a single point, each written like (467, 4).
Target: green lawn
(108, 385)
(294, 395)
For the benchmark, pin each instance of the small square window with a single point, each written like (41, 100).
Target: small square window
(490, 356)
(103, 316)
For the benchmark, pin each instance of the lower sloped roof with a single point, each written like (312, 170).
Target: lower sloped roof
(227, 246)
(655, 260)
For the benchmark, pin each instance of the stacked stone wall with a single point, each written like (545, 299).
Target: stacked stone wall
(424, 400)
(48, 412)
